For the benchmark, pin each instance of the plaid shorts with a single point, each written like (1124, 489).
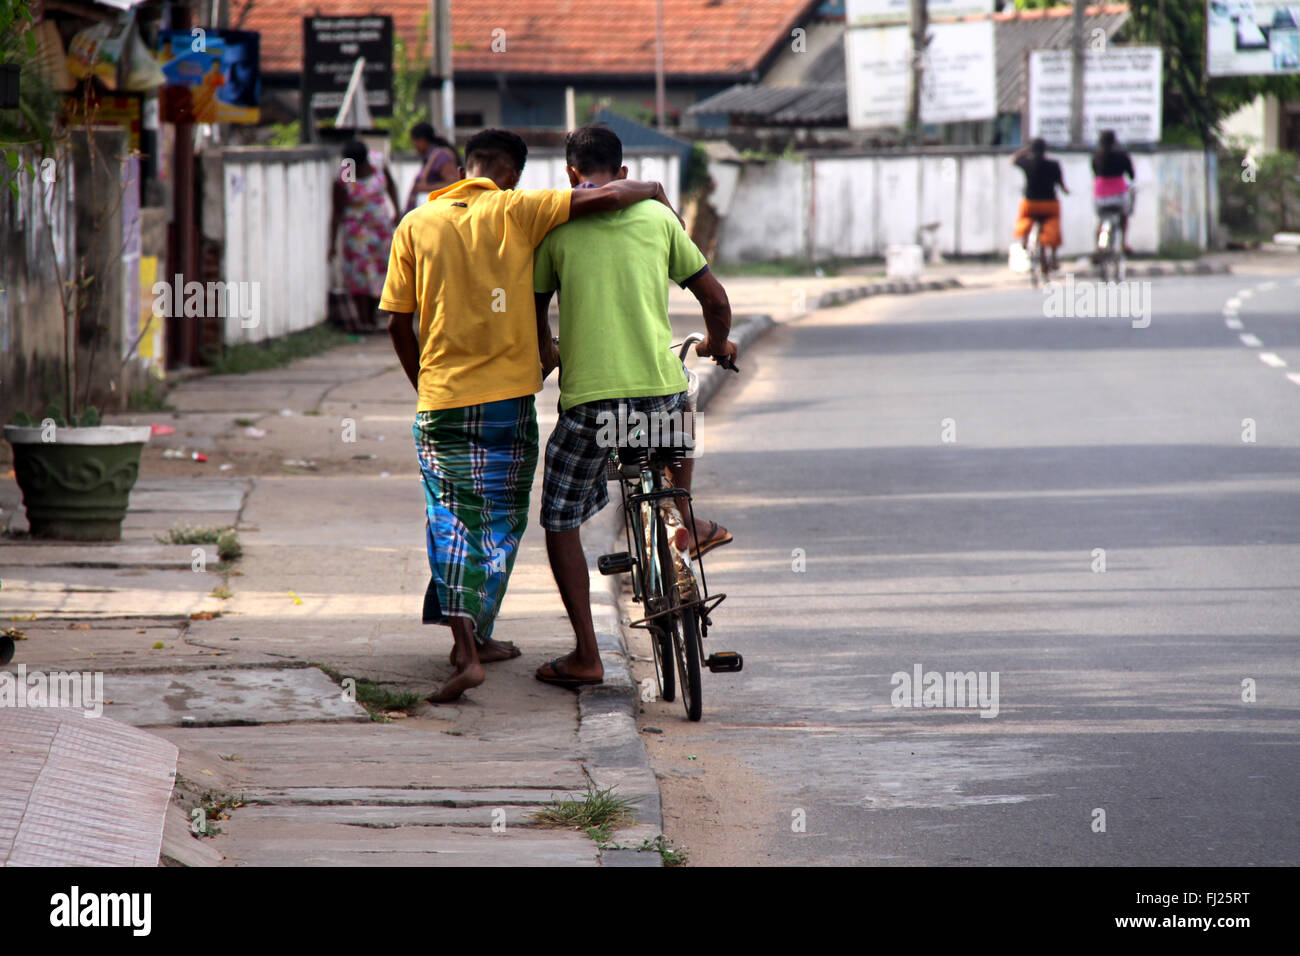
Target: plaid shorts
(574, 486)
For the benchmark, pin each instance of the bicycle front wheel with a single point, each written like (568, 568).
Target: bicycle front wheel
(684, 629)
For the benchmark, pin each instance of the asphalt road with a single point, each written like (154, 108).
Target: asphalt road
(947, 466)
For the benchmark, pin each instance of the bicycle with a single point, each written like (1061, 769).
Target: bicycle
(1110, 259)
(1034, 249)
(669, 585)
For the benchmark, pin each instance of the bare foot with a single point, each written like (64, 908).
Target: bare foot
(491, 651)
(460, 681)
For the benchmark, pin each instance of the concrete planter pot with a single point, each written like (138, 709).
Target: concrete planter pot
(76, 487)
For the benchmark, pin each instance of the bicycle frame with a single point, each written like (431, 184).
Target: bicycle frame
(643, 545)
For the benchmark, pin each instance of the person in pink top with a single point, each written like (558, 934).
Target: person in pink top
(1110, 187)
(363, 218)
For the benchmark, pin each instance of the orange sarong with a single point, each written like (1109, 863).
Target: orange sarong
(1048, 211)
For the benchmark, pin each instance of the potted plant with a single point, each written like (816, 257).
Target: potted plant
(76, 479)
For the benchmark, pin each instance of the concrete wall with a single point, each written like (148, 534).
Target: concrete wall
(37, 240)
(77, 221)
(269, 210)
(832, 206)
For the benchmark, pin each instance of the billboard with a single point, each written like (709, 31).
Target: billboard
(1122, 90)
(1247, 37)
(212, 76)
(330, 48)
(958, 84)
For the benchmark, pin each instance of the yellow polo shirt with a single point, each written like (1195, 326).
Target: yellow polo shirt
(466, 258)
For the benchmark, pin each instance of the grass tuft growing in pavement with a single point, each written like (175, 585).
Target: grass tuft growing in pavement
(376, 698)
(226, 539)
(278, 352)
(596, 813)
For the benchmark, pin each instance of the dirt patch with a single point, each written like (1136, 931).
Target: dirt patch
(715, 807)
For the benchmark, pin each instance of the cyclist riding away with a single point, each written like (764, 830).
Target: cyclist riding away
(1110, 164)
(1042, 179)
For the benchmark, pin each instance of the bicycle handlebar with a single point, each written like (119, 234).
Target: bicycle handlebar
(727, 362)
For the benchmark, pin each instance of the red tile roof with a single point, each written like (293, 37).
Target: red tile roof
(554, 37)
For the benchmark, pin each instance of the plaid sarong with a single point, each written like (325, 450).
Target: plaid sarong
(477, 466)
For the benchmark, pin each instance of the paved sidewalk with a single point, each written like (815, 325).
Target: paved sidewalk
(333, 573)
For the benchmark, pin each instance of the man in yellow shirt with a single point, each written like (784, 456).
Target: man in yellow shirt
(466, 258)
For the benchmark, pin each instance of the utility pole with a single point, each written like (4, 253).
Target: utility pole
(919, 17)
(442, 50)
(1076, 76)
(659, 66)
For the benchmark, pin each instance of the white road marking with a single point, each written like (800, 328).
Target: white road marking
(1245, 293)
(1268, 286)
(1233, 323)
(1250, 341)
(1294, 376)
(1232, 305)
(1272, 359)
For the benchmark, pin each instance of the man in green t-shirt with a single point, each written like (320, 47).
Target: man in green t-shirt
(612, 271)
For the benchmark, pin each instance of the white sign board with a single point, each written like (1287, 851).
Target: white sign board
(1244, 37)
(1121, 91)
(861, 12)
(958, 83)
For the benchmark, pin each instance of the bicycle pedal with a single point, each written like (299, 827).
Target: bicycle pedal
(620, 562)
(724, 662)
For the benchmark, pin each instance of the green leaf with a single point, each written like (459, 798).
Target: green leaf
(13, 159)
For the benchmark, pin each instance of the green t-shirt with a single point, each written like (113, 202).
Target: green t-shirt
(612, 271)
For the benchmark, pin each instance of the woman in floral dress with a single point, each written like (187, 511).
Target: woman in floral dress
(366, 224)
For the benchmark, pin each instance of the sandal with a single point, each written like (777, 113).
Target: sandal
(712, 540)
(561, 679)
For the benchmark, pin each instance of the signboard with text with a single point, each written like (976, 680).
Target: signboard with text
(876, 12)
(958, 85)
(1122, 91)
(330, 48)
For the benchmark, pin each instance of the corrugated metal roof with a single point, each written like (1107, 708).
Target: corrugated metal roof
(814, 104)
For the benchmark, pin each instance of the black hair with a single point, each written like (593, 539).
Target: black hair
(1105, 145)
(426, 132)
(492, 144)
(1038, 147)
(356, 151)
(591, 149)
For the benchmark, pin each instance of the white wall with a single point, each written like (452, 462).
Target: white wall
(272, 214)
(832, 207)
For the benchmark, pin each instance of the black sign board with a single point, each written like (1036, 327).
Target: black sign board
(330, 47)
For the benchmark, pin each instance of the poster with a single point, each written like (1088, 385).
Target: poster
(212, 76)
(1249, 37)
